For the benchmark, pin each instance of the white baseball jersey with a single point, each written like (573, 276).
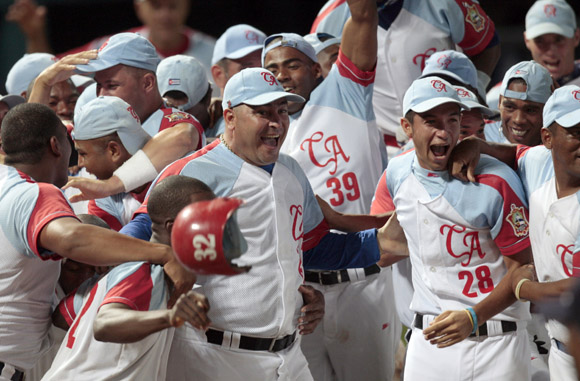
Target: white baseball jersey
(139, 285)
(117, 210)
(28, 272)
(335, 140)
(167, 117)
(458, 232)
(494, 133)
(409, 32)
(554, 224)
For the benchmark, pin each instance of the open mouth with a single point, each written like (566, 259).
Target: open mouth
(271, 140)
(552, 65)
(439, 151)
(517, 133)
(289, 89)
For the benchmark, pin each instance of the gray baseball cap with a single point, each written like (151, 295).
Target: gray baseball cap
(291, 40)
(185, 74)
(550, 16)
(427, 93)
(563, 107)
(537, 78)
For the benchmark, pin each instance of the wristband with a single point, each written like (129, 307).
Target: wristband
(136, 171)
(470, 318)
(519, 287)
(473, 318)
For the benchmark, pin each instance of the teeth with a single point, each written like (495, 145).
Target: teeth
(518, 132)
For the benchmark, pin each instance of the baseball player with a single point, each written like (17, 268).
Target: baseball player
(107, 133)
(525, 89)
(238, 48)
(256, 316)
(551, 180)
(184, 85)
(163, 25)
(125, 68)
(551, 36)
(326, 47)
(409, 32)
(472, 120)
(333, 137)
(462, 250)
(36, 222)
(124, 317)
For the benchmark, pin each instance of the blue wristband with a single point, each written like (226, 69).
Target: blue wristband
(474, 317)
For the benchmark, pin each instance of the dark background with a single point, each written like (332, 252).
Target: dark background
(74, 22)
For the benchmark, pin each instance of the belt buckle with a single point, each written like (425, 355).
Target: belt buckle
(328, 273)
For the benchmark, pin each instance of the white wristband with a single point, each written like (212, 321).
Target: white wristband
(482, 81)
(136, 171)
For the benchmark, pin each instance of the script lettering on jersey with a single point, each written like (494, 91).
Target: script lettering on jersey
(297, 230)
(470, 242)
(420, 58)
(331, 145)
(563, 251)
(576, 94)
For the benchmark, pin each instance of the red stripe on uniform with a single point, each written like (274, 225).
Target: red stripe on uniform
(348, 70)
(323, 15)
(133, 291)
(479, 28)
(313, 237)
(111, 220)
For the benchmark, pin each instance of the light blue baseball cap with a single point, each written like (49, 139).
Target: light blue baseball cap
(185, 74)
(236, 42)
(563, 107)
(86, 96)
(25, 70)
(129, 49)
(537, 78)
(291, 40)
(427, 93)
(469, 98)
(321, 41)
(453, 64)
(550, 16)
(105, 115)
(255, 87)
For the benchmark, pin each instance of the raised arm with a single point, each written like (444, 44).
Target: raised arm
(359, 38)
(31, 19)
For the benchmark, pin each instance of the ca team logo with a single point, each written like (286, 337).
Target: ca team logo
(252, 36)
(133, 114)
(438, 85)
(462, 93)
(576, 94)
(550, 10)
(444, 62)
(473, 17)
(269, 78)
(517, 219)
(176, 116)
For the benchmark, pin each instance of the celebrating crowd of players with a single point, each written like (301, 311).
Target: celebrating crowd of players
(378, 191)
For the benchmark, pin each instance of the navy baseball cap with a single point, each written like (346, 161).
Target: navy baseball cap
(106, 115)
(537, 78)
(291, 40)
(427, 93)
(563, 107)
(129, 49)
(255, 87)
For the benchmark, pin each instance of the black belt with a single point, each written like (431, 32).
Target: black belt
(334, 277)
(17, 376)
(253, 343)
(506, 326)
(561, 346)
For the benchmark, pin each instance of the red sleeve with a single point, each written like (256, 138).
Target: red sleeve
(348, 70)
(133, 291)
(50, 205)
(313, 237)
(521, 151)
(94, 209)
(513, 235)
(321, 16)
(173, 118)
(382, 202)
(479, 28)
(67, 309)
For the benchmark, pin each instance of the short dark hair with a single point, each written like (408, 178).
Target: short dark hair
(410, 115)
(172, 194)
(26, 132)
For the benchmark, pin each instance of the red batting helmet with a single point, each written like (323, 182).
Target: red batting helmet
(206, 237)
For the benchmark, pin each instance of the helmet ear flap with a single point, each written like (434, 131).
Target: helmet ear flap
(206, 237)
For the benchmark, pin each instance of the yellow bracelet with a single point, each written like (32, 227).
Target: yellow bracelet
(519, 286)
(470, 318)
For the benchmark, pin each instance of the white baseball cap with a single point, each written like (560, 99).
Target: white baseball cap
(88, 94)
(427, 93)
(563, 107)
(237, 41)
(255, 87)
(185, 74)
(291, 40)
(537, 78)
(550, 16)
(470, 99)
(321, 41)
(453, 64)
(25, 70)
(105, 115)
(129, 49)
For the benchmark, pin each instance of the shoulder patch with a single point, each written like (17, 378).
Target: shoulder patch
(474, 18)
(517, 219)
(177, 116)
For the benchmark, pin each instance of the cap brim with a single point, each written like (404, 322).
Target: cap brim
(266, 98)
(545, 28)
(484, 110)
(95, 65)
(434, 102)
(444, 72)
(569, 120)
